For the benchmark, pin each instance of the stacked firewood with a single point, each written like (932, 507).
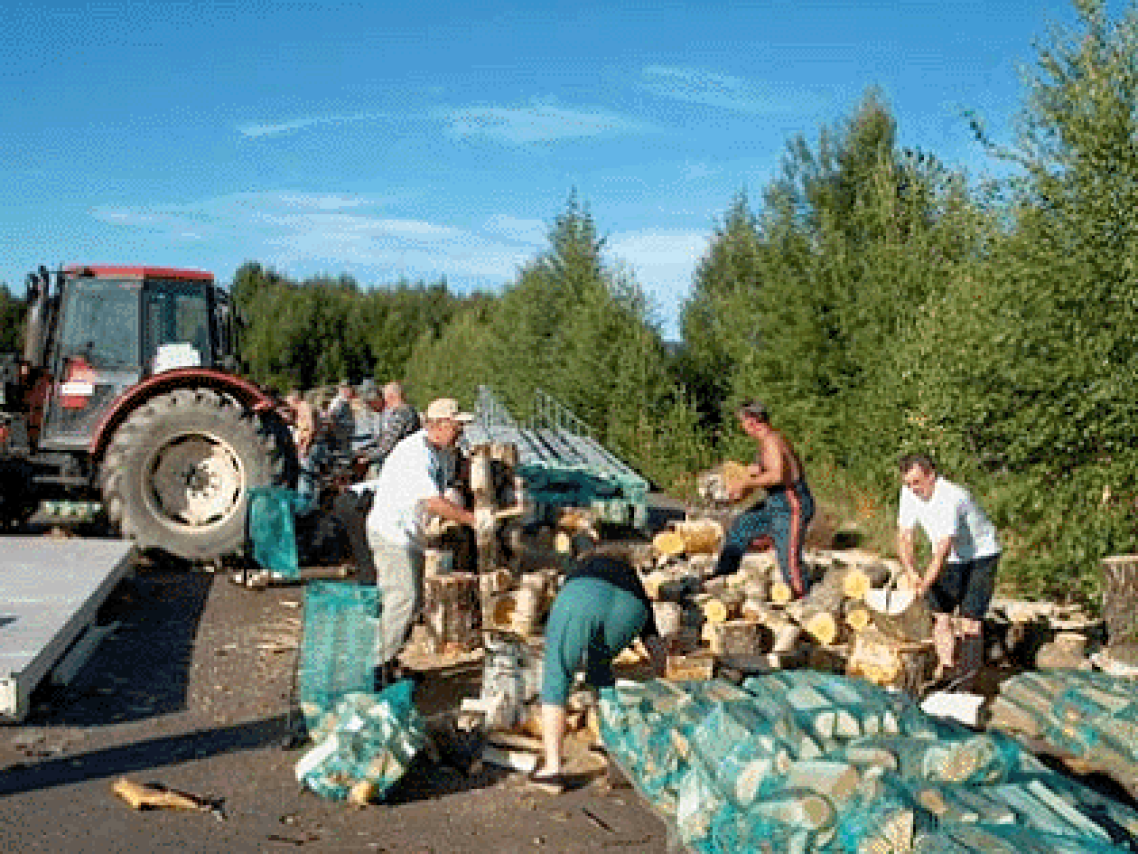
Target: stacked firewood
(1087, 719)
(851, 619)
(803, 761)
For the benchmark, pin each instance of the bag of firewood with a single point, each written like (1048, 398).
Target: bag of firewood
(364, 745)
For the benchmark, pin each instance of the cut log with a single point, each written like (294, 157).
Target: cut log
(735, 475)
(726, 606)
(668, 543)
(836, 780)
(482, 474)
(1066, 652)
(506, 453)
(669, 617)
(889, 662)
(690, 537)
(452, 612)
(900, 614)
(860, 579)
(498, 581)
(700, 536)
(857, 616)
(820, 610)
(800, 808)
(740, 638)
(785, 631)
(781, 593)
(786, 637)
(500, 611)
(529, 604)
(823, 627)
(696, 667)
(1120, 599)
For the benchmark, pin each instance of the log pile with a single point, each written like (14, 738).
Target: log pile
(1087, 719)
(801, 761)
(851, 620)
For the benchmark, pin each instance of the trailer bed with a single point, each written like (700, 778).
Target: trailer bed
(50, 593)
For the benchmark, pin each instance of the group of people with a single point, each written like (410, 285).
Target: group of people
(602, 606)
(363, 439)
(957, 583)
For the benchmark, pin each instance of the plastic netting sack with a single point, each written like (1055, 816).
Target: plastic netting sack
(337, 650)
(364, 745)
(271, 530)
(802, 761)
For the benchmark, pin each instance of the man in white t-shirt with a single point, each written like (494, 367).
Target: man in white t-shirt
(961, 574)
(409, 490)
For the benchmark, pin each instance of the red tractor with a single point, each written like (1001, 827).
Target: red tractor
(126, 391)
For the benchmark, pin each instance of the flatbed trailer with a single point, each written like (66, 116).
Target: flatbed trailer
(50, 594)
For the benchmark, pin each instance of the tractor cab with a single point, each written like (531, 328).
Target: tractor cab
(116, 326)
(128, 389)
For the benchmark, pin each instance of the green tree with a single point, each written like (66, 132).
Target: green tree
(716, 336)
(1042, 398)
(576, 329)
(12, 312)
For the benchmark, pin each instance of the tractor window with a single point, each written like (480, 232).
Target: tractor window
(100, 323)
(177, 316)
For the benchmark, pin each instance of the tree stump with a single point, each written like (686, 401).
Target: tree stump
(1120, 599)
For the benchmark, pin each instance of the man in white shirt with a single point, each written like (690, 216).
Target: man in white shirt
(409, 490)
(961, 575)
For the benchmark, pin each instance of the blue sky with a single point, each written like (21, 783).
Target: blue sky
(427, 139)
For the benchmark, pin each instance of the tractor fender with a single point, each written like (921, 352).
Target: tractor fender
(246, 393)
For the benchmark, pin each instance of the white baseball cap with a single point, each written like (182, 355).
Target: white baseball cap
(446, 409)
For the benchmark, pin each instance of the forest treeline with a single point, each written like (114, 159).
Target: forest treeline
(879, 300)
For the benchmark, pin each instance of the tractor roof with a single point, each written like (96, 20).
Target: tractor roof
(136, 272)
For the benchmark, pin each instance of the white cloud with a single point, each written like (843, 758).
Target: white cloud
(700, 86)
(539, 123)
(304, 231)
(258, 130)
(664, 262)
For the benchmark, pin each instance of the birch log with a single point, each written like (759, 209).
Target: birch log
(452, 612)
(740, 637)
(1120, 599)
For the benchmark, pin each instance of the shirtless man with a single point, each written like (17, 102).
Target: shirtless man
(785, 513)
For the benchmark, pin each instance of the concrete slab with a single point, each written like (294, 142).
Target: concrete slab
(50, 592)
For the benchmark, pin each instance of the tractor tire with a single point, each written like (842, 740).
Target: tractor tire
(177, 473)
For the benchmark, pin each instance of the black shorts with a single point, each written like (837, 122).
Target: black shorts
(966, 584)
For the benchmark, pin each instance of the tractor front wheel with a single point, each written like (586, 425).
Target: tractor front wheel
(177, 473)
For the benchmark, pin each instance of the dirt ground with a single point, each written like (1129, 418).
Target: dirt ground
(192, 691)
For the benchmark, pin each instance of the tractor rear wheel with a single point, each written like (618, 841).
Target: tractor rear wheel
(177, 473)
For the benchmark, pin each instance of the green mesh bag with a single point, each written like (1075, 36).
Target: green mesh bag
(366, 740)
(337, 651)
(271, 531)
